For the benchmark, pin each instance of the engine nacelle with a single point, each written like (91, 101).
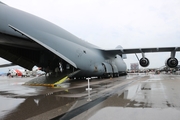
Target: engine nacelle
(144, 62)
(171, 62)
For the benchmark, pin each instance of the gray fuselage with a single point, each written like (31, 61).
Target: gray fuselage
(82, 55)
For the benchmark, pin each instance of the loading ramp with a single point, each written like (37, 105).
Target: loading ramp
(51, 80)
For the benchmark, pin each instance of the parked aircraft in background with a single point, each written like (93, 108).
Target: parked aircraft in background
(28, 40)
(167, 69)
(18, 72)
(24, 72)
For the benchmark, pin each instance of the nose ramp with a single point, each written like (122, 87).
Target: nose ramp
(51, 80)
(47, 81)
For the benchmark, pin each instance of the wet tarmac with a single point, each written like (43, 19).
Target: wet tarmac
(136, 97)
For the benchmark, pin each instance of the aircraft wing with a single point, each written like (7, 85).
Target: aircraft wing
(140, 50)
(121, 51)
(145, 50)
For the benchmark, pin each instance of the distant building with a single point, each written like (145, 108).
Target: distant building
(134, 66)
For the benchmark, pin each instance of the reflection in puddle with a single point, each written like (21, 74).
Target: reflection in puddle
(11, 103)
(35, 105)
(130, 92)
(21, 90)
(115, 113)
(122, 96)
(36, 101)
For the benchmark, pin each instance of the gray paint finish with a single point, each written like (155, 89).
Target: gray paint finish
(78, 53)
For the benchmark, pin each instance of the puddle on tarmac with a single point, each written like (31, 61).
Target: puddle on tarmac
(10, 103)
(115, 113)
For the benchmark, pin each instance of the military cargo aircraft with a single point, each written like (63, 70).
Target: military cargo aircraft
(28, 40)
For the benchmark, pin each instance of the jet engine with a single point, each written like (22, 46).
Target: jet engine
(171, 62)
(144, 62)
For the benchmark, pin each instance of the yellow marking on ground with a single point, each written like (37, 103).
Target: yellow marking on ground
(61, 81)
(35, 84)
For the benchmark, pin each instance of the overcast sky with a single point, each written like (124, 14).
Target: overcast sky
(109, 23)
